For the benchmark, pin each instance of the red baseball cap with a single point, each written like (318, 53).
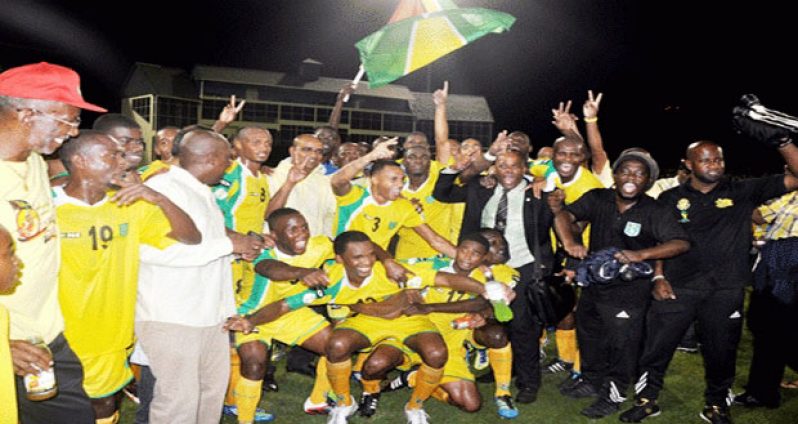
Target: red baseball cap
(45, 81)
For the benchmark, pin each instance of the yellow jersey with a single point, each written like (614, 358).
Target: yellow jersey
(358, 211)
(375, 288)
(264, 291)
(99, 268)
(153, 168)
(243, 198)
(8, 393)
(438, 216)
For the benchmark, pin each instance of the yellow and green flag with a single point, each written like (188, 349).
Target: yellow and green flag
(422, 31)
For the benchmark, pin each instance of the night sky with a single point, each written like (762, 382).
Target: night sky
(670, 71)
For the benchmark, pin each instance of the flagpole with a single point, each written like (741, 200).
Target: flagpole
(360, 72)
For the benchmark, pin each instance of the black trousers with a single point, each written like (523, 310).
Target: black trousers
(146, 388)
(773, 325)
(71, 405)
(524, 331)
(610, 333)
(719, 316)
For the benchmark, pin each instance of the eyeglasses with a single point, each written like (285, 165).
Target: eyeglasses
(72, 123)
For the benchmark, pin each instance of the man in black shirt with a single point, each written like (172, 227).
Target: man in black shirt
(706, 283)
(610, 317)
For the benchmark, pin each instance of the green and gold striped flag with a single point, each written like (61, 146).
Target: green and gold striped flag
(422, 31)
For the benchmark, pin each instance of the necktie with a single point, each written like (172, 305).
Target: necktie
(501, 213)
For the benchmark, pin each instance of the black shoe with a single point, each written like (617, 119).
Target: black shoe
(749, 401)
(368, 404)
(580, 388)
(601, 408)
(643, 409)
(269, 382)
(557, 366)
(307, 369)
(570, 381)
(716, 414)
(526, 395)
(400, 382)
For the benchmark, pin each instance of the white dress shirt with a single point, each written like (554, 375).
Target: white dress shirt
(183, 284)
(514, 231)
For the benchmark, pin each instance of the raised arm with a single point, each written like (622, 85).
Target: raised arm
(597, 153)
(341, 181)
(228, 114)
(296, 174)
(436, 240)
(564, 120)
(335, 115)
(439, 97)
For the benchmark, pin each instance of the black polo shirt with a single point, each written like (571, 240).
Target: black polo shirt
(719, 225)
(646, 224)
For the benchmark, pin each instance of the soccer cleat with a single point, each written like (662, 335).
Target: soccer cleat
(269, 382)
(399, 382)
(601, 408)
(716, 414)
(481, 360)
(505, 407)
(416, 416)
(311, 408)
(340, 414)
(526, 395)
(579, 388)
(368, 404)
(642, 409)
(261, 416)
(556, 366)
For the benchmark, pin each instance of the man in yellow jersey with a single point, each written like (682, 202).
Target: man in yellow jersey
(289, 268)
(379, 211)
(9, 276)
(126, 132)
(100, 238)
(443, 306)
(39, 109)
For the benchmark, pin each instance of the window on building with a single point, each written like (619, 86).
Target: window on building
(366, 121)
(297, 113)
(212, 108)
(287, 133)
(177, 112)
(142, 107)
(259, 112)
(224, 89)
(399, 123)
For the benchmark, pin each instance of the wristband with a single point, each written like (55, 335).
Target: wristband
(657, 278)
(489, 157)
(591, 120)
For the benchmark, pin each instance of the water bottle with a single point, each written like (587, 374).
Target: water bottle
(495, 294)
(42, 385)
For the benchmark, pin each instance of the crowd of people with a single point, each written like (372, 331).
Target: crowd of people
(413, 259)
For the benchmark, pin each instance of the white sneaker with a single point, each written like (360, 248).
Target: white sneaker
(416, 416)
(311, 408)
(340, 414)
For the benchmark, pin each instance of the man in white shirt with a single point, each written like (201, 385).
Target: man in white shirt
(185, 292)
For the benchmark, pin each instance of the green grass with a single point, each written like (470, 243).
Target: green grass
(681, 401)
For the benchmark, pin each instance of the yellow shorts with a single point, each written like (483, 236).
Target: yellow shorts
(409, 357)
(376, 329)
(106, 374)
(293, 328)
(456, 366)
(243, 280)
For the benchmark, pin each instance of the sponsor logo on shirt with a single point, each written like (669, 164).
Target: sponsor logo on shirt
(723, 203)
(632, 229)
(683, 205)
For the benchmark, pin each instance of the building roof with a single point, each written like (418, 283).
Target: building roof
(148, 78)
(325, 84)
(460, 107)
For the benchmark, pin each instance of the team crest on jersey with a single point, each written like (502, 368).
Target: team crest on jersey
(683, 205)
(392, 225)
(632, 229)
(29, 224)
(723, 202)
(123, 229)
(430, 199)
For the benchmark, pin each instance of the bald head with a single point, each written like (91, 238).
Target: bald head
(205, 155)
(693, 148)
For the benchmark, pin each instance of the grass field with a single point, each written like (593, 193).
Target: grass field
(681, 401)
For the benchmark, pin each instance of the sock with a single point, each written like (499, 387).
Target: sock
(113, 419)
(427, 379)
(338, 373)
(322, 384)
(440, 394)
(566, 345)
(235, 374)
(411, 379)
(501, 361)
(371, 386)
(360, 359)
(247, 394)
(577, 362)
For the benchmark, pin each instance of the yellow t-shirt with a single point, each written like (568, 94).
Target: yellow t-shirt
(243, 198)
(438, 215)
(264, 291)
(99, 268)
(8, 393)
(357, 211)
(152, 168)
(375, 288)
(27, 211)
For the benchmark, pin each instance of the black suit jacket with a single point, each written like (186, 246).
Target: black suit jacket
(476, 197)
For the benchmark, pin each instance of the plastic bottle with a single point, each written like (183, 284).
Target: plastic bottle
(42, 385)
